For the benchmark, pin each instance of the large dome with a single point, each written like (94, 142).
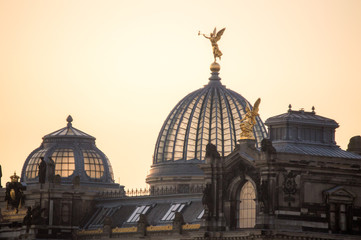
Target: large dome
(208, 115)
(73, 153)
(211, 114)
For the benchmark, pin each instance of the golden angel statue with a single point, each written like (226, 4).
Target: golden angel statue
(214, 38)
(249, 120)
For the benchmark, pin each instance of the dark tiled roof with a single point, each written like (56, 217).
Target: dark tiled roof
(301, 116)
(315, 150)
(120, 210)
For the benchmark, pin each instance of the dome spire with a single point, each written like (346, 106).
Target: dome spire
(215, 67)
(69, 119)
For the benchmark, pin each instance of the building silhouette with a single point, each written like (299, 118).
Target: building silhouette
(290, 182)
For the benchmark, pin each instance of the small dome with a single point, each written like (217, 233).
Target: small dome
(73, 153)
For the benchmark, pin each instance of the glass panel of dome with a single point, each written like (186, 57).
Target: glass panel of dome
(64, 161)
(179, 146)
(32, 169)
(190, 155)
(93, 164)
(163, 137)
(70, 132)
(168, 156)
(227, 150)
(110, 168)
(178, 155)
(191, 146)
(63, 133)
(181, 132)
(192, 133)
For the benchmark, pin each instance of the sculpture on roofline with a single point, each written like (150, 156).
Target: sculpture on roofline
(42, 170)
(214, 38)
(249, 120)
(14, 195)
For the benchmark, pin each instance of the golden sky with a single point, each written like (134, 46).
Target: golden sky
(119, 67)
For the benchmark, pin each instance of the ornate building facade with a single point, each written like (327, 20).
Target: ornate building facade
(290, 182)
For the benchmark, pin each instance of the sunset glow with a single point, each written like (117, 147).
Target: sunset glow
(119, 67)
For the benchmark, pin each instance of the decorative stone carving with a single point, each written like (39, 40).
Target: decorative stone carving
(211, 151)
(142, 225)
(42, 170)
(28, 219)
(107, 226)
(289, 186)
(207, 201)
(266, 146)
(263, 196)
(36, 212)
(14, 195)
(178, 222)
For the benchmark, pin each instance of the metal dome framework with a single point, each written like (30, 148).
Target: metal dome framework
(207, 115)
(73, 153)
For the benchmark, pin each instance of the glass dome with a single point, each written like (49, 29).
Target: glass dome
(209, 115)
(73, 153)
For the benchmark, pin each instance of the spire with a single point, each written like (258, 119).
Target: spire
(69, 119)
(215, 67)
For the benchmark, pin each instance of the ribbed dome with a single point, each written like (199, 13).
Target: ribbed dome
(73, 153)
(209, 115)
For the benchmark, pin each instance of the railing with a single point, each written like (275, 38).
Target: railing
(138, 192)
(112, 194)
(164, 190)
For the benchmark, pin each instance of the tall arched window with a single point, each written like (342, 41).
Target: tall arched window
(247, 206)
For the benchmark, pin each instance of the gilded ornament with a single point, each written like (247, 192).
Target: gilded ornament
(249, 120)
(214, 38)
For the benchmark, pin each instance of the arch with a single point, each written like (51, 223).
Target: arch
(247, 207)
(233, 203)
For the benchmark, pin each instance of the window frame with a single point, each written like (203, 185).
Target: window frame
(140, 209)
(251, 207)
(175, 207)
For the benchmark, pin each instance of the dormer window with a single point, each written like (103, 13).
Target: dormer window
(175, 207)
(200, 215)
(139, 210)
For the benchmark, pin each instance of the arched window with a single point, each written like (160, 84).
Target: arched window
(64, 161)
(247, 206)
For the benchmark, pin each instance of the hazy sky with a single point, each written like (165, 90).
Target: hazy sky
(119, 67)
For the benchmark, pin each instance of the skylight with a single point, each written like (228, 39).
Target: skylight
(175, 207)
(135, 215)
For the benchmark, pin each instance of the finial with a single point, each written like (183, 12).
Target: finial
(69, 119)
(215, 67)
(289, 107)
(14, 178)
(313, 109)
